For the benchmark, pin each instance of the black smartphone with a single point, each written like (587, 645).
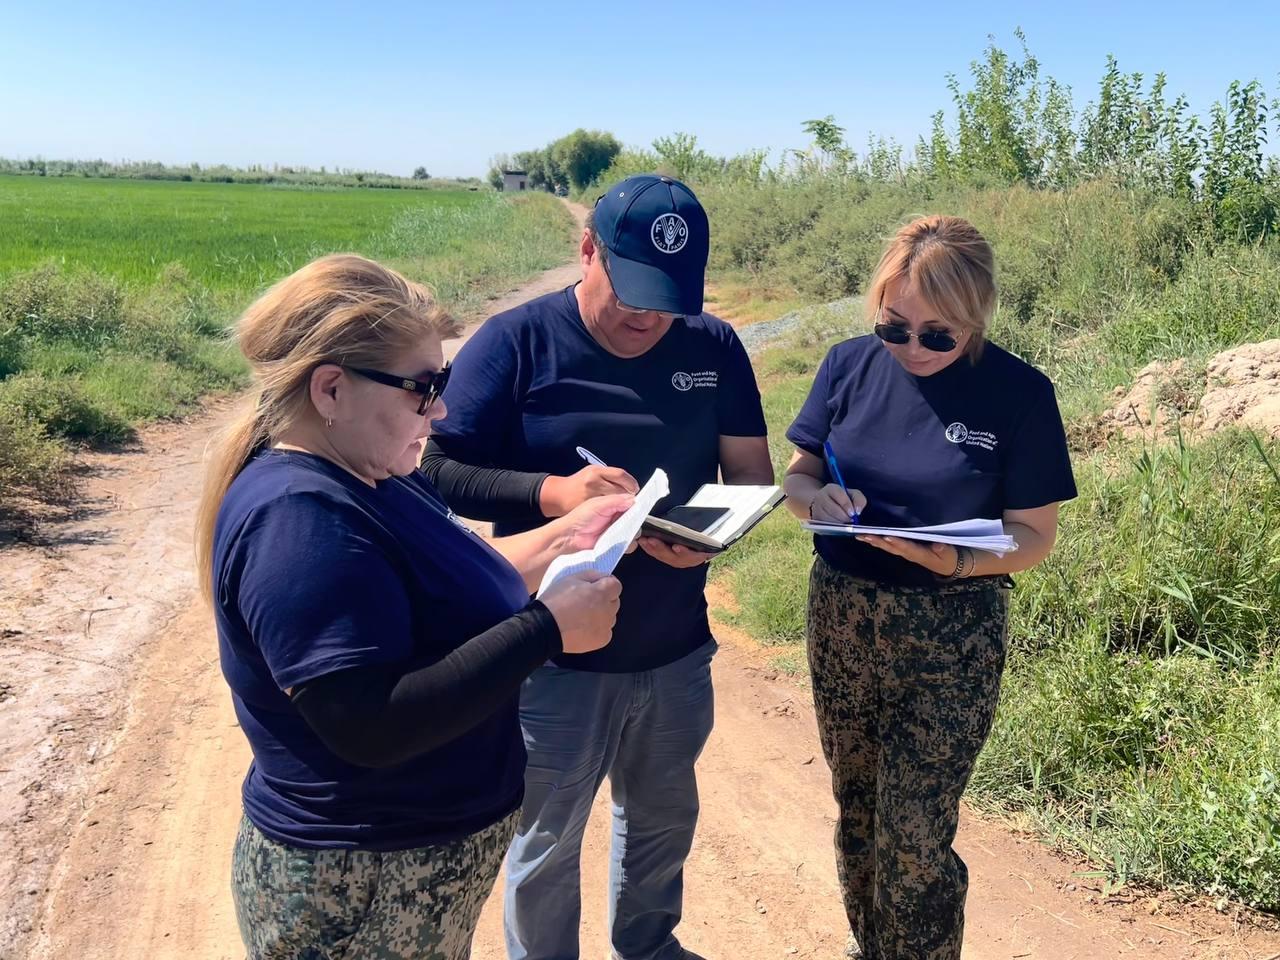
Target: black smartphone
(701, 519)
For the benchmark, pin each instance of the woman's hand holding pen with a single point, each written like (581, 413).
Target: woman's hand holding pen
(833, 504)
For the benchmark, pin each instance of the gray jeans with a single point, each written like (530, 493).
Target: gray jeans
(644, 731)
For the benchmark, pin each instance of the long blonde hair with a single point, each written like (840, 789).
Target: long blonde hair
(341, 308)
(950, 265)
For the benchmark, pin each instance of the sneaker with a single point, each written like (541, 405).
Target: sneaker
(851, 949)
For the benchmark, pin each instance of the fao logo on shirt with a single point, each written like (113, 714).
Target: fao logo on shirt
(684, 382)
(961, 434)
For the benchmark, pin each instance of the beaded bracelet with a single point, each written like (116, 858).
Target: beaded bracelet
(964, 557)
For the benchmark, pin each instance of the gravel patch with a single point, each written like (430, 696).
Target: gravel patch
(821, 321)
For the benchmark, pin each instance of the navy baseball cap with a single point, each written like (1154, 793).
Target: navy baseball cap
(656, 237)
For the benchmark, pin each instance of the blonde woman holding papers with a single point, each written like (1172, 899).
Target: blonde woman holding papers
(373, 645)
(929, 424)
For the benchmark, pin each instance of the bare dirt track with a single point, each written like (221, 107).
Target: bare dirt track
(120, 767)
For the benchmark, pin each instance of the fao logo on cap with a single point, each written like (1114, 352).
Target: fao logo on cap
(957, 433)
(670, 233)
(682, 382)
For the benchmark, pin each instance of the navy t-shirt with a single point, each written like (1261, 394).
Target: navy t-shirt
(532, 385)
(972, 440)
(315, 572)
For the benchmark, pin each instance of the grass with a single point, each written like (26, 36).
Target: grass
(115, 295)
(227, 236)
(237, 238)
(1139, 722)
(743, 303)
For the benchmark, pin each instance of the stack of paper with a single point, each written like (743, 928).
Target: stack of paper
(613, 543)
(978, 534)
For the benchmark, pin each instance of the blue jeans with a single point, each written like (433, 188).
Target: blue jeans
(645, 731)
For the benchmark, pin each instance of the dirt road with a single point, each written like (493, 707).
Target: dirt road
(120, 767)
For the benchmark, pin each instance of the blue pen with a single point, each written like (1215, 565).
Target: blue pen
(590, 457)
(835, 474)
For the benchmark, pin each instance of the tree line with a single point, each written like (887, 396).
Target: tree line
(1009, 124)
(570, 163)
(221, 173)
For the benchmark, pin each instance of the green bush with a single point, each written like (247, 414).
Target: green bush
(751, 226)
(837, 256)
(1173, 548)
(11, 359)
(32, 465)
(61, 407)
(1221, 298)
(1163, 769)
(46, 303)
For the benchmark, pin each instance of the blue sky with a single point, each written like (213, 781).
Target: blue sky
(396, 84)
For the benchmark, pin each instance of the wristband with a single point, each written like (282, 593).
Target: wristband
(961, 562)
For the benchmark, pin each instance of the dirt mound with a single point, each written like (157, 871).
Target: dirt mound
(1239, 387)
(1243, 388)
(1159, 399)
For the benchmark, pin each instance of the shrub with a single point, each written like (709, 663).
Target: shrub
(47, 303)
(61, 407)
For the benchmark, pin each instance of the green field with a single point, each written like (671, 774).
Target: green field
(229, 236)
(115, 295)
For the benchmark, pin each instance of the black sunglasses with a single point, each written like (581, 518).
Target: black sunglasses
(430, 389)
(934, 340)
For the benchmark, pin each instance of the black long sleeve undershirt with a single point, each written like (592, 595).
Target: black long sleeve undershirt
(379, 716)
(483, 493)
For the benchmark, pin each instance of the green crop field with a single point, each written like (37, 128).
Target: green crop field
(226, 236)
(115, 295)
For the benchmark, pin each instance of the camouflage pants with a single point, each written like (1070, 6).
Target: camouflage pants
(302, 904)
(905, 684)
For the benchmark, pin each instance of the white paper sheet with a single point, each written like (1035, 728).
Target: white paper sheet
(976, 534)
(604, 556)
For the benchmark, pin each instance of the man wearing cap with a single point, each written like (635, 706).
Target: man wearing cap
(625, 365)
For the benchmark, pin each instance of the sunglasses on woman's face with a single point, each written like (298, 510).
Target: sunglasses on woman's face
(938, 341)
(430, 388)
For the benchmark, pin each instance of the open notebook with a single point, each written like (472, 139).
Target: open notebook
(718, 515)
(977, 534)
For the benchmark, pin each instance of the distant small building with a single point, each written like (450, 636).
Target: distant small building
(514, 180)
